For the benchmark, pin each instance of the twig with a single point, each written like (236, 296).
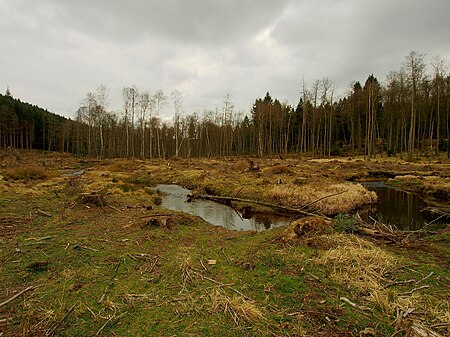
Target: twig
(114, 208)
(113, 318)
(84, 247)
(221, 284)
(433, 221)
(360, 307)
(17, 295)
(397, 283)
(44, 213)
(236, 194)
(428, 276)
(398, 332)
(201, 262)
(226, 256)
(414, 290)
(56, 326)
(110, 283)
(132, 257)
(153, 215)
(325, 197)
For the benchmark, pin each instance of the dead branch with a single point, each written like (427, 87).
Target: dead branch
(354, 305)
(17, 295)
(82, 246)
(428, 276)
(44, 213)
(284, 208)
(112, 319)
(325, 197)
(414, 290)
(397, 283)
(221, 284)
(114, 208)
(113, 276)
(154, 215)
(224, 254)
(57, 325)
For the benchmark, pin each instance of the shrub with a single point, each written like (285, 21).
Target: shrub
(343, 223)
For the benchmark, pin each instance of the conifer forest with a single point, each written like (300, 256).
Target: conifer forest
(407, 113)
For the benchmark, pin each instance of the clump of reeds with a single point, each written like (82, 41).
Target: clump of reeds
(239, 308)
(187, 272)
(333, 199)
(123, 166)
(30, 172)
(358, 263)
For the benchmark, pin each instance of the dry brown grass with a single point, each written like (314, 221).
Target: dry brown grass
(362, 266)
(353, 196)
(280, 169)
(125, 165)
(239, 308)
(30, 172)
(358, 263)
(306, 230)
(186, 269)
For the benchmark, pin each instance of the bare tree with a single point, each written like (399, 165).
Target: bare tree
(101, 94)
(439, 69)
(415, 68)
(130, 96)
(177, 98)
(144, 106)
(160, 100)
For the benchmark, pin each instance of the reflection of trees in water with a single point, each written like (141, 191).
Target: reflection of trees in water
(399, 208)
(217, 214)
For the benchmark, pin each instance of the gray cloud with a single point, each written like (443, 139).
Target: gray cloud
(53, 52)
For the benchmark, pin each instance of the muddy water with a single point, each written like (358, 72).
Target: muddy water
(395, 207)
(176, 198)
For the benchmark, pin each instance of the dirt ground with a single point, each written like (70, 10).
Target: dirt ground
(86, 250)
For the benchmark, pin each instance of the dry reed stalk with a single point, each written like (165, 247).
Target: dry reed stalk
(239, 308)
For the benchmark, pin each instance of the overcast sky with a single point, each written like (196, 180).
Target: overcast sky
(52, 52)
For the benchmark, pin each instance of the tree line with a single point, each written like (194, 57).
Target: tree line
(27, 126)
(408, 113)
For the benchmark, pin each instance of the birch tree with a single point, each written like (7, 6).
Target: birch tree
(415, 67)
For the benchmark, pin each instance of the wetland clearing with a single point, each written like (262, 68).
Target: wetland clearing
(90, 248)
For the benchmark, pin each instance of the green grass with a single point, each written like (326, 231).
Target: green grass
(142, 281)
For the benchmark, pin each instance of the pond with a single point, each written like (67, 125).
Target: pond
(176, 198)
(395, 207)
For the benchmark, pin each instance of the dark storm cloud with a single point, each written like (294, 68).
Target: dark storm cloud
(53, 52)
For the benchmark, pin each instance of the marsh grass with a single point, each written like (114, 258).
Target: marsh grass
(240, 309)
(30, 172)
(358, 263)
(280, 288)
(352, 196)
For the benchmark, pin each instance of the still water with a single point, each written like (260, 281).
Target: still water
(395, 207)
(176, 198)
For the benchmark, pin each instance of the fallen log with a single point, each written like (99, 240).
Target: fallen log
(265, 204)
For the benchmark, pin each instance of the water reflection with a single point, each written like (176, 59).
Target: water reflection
(395, 207)
(217, 214)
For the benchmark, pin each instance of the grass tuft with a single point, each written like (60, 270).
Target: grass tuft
(239, 308)
(26, 173)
